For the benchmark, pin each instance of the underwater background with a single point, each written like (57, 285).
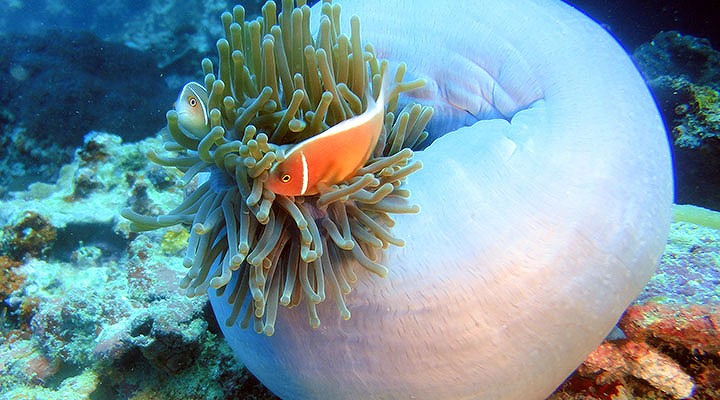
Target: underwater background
(89, 310)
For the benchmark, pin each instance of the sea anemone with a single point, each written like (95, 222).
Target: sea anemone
(275, 85)
(545, 200)
(545, 203)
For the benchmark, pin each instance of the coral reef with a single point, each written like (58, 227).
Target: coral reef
(698, 115)
(674, 54)
(131, 334)
(32, 236)
(683, 73)
(16, 148)
(675, 328)
(689, 270)
(9, 279)
(97, 323)
(106, 162)
(613, 365)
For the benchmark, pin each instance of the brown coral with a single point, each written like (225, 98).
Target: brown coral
(671, 352)
(9, 279)
(613, 369)
(33, 236)
(694, 328)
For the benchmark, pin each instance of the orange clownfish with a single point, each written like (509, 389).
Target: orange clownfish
(331, 156)
(192, 109)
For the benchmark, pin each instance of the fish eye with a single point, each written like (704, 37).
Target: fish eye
(192, 101)
(285, 178)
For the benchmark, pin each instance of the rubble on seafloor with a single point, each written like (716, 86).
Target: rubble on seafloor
(96, 311)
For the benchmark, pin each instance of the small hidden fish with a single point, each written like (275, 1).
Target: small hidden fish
(331, 156)
(192, 109)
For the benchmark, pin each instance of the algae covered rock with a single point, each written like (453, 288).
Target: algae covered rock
(683, 73)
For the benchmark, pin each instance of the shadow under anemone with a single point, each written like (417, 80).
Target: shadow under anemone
(276, 85)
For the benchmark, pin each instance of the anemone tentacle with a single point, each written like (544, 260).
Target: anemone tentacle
(275, 85)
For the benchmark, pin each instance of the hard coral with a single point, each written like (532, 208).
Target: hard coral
(698, 116)
(627, 370)
(683, 73)
(170, 340)
(14, 317)
(693, 329)
(33, 236)
(671, 351)
(22, 362)
(674, 54)
(68, 326)
(94, 160)
(9, 279)
(174, 240)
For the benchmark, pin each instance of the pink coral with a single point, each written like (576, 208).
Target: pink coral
(671, 352)
(608, 372)
(694, 328)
